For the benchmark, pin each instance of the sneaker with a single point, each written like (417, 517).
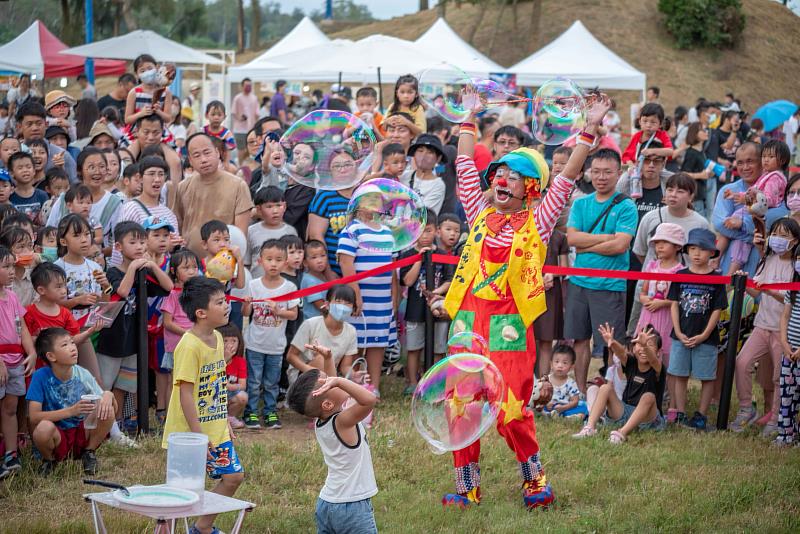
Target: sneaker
(214, 530)
(764, 419)
(11, 462)
(123, 440)
(537, 493)
(744, 418)
(272, 421)
(235, 422)
(47, 468)
(585, 432)
(409, 390)
(680, 419)
(4, 472)
(462, 500)
(251, 421)
(616, 437)
(89, 461)
(770, 430)
(697, 422)
(782, 441)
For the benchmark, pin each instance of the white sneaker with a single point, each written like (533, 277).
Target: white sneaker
(118, 437)
(585, 432)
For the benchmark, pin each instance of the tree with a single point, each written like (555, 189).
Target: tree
(255, 32)
(424, 5)
(478, 21)
(240, 26)
(346, 10)
(533, 27)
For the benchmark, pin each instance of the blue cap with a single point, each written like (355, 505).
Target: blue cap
(703, 238)
(156, 223)
(4, 176)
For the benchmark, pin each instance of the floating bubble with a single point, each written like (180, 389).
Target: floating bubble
(326, 149)
(457, 401)
(559, 111)
(466, 342)
(459, 92)
(385, 216)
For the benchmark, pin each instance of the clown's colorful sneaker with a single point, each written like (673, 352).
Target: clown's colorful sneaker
(462, 500)
(537, 493)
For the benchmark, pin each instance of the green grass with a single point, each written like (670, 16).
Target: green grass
(676, 481)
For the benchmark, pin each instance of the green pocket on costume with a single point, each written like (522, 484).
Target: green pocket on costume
(507, 332)
(463, 322)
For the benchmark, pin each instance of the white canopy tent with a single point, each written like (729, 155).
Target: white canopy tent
(442, 41)
(291, 66)
(578, 55)
(304, 35)
(135, 43)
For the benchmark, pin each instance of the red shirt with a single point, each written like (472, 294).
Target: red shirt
(36, 320)
(632, 151)
(236, 370)
(482, 157)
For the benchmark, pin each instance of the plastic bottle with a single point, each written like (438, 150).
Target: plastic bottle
(635, 182)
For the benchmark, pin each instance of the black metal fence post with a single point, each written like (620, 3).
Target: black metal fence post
(142, 360)
(739, 286)
(430, 280)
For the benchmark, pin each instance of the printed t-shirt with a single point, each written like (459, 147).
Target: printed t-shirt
(696, 304)
(53, 394)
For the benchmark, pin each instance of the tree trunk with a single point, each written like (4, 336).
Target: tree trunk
(478, 20)
(255, 7)
(117, 19)
(424, 5)
(497, 25)
(442, 5)
(66, 23)
(533, 29)
(127, 16)
(514, 15)
(240, 26)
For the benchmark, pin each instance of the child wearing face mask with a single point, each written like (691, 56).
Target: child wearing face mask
(325, 334)
(18, 241)
(427, 152)
(764, 344)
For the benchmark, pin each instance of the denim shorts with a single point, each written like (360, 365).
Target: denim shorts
(700, 361)
(224, 461)
(351, 517)
(627, 410)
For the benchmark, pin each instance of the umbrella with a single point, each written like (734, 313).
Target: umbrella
(135, 43)
(775, 113)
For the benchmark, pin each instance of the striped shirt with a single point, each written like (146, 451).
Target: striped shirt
(332, 206)
(224, 134)
(133, 211)
(545, 215)
(793, 332)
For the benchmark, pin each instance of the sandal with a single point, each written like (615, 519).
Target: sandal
(616, 437)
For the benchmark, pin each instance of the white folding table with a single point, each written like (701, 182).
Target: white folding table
(212, 503)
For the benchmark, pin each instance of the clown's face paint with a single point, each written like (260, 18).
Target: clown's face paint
(509, 189)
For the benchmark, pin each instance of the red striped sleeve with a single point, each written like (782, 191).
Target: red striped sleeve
(469, 188)
(547, 212)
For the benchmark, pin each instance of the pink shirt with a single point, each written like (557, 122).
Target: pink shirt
(775, 271)
(11, 314)
(246, 105)
(773, 185)
(174, 308)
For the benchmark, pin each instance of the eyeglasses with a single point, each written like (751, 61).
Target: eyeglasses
(511, 143)
(653, 161)
(343, 166)
(608, 173)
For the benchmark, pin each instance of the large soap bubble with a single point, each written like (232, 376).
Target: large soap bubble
(459, 92)
(467, 342)
(385, 216)
(457, 401)
(326, 149)
(559, 111)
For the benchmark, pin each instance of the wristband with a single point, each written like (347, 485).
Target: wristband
(580, 141)
(469, 125)
(468, 128)
(586, 137)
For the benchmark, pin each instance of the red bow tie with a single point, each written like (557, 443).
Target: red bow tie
(496, 221)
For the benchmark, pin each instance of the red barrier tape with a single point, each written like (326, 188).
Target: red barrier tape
(547, 269)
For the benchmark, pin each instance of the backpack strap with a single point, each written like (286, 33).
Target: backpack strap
(619, 197)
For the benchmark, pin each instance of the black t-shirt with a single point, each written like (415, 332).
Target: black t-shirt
(450, 181)
(415, 307)
(714, 150)
(696, 304)
(109, 100)
(294, 324)
(121, 339)
(695, 161)
(649, 201)
(298, 197)
(641, 382)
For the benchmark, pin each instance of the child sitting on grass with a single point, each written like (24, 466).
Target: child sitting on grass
(641, 401)
(56, 409)
(199, 401)
(344, 503)
(566, 401)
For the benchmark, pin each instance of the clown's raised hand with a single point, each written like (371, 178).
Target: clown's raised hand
(597, 108)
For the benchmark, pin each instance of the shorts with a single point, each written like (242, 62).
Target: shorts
(168, 361)
(224, 461)
(587, 309)
(241, 140)
(700, 362)
(352, 517)
(16, 382)
(118, 373)
(73, 442)
(659, 423)
(415, 336)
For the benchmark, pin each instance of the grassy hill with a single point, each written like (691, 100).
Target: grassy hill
(763, 67)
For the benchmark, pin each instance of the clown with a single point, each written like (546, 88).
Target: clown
(497, 290)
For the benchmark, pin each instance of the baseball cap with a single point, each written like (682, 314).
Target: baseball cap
(156, 223)
(4, 176)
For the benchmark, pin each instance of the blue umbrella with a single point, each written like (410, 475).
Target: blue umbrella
(775, 113)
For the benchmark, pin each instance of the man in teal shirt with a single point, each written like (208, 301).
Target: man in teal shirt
(600, 227)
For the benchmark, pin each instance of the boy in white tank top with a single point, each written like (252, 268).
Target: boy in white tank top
(344, 503)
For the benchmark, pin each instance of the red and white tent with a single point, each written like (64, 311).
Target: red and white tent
(36, 51)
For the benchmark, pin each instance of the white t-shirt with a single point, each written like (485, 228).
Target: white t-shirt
(80, 281)
(431, 191)
(256, 235)
(641, 245)
(351, 477)
(95, 213)
(267, 332)
(314, 331)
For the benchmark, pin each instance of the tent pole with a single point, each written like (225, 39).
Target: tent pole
(380, 91)
(340, 81)
(88, 68)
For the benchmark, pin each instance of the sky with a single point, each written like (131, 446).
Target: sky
(381, 9)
